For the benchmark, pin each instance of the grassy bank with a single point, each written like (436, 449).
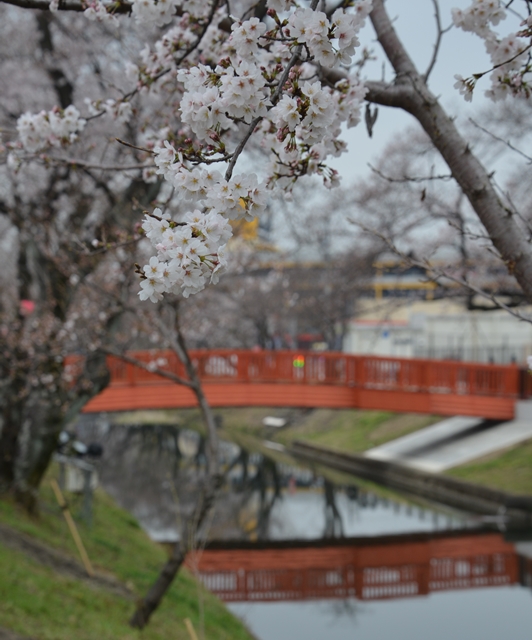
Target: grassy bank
(45, 603)
(346, 429)
(509, 470)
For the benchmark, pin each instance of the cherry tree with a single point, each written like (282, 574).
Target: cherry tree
(168, 103)
(59, 293)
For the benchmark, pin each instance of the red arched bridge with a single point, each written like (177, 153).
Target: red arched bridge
(238, 378)
(365, 568)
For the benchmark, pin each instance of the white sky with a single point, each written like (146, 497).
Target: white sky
(461, 53)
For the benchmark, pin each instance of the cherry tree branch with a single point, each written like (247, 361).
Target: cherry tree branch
(73, 162)
(414, 97)
(146, 367)
(439, 35)
(64, 5)
(274, 100)
(499, 139)
(406, 178)
(442, 274)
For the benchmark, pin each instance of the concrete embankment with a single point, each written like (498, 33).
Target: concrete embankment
(513, 509)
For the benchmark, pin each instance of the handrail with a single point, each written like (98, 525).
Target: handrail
(328, 368)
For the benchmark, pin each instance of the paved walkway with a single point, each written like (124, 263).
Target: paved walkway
(456, 441)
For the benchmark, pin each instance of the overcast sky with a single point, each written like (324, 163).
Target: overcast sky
(461, 53)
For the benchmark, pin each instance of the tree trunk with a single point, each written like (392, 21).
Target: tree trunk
(411, 93)
(31, 425)
(189, 534)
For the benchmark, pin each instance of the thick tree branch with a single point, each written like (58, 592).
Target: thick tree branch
(500, 222)
(44, 5)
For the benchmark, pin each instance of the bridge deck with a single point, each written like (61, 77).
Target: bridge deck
(310, 379)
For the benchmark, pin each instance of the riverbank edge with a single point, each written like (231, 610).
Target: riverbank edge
(511, 510)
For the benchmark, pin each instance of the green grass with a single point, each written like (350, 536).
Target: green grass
(510, 470)
(353, 431)
(35, 601)
(346, 429)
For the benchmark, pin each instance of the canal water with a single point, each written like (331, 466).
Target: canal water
(487, 579)
(302, 559)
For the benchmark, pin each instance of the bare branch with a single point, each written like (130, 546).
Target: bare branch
(133, 146)
(146, 367)
(439, 35)
(44, 5)
(406, 178)
(442, 274)
(73, 162)
(505, 142)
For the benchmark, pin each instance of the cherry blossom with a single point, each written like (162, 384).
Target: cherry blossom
(508, 55)
(222, 83)
(49, 128)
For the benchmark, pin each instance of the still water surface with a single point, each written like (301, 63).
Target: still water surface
(450, 606)
(479, 614)
(487, 613)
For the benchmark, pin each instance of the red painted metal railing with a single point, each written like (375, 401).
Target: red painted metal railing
(310, 379)
(299, 367)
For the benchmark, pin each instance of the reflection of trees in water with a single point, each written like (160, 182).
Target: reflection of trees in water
(155, 471)
(266, 476)
(333, 520)
(242, 460)
(347, 607)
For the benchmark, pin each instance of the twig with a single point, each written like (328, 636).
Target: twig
(73, 162)
(440, 274)
(499, 139)
(44, 5)
(437, 44)
(155, 370)
(405, 178)
(133, 146)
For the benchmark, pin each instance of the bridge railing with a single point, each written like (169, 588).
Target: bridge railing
(325, 368)
(364, 582)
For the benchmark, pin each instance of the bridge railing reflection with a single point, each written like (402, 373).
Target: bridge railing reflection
(407, 569)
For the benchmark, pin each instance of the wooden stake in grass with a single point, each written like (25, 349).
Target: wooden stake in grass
(73, 529)
(190, 629)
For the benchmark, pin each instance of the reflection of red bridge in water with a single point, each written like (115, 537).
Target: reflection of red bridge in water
(309, 379)
(365, 568)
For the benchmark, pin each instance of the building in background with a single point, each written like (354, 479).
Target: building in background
(439, 329)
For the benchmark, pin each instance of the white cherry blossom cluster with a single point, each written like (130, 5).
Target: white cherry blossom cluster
(312, 126)
(154, 13)
(234, 81)
(478, 17)
(328, 42)
(176, 39)
(279, 5)
(119, 110)
(313, 110)
(236, 198)
(189, 253)
(97, 10)
(49, 128)
(508, 55)
(214, 99)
